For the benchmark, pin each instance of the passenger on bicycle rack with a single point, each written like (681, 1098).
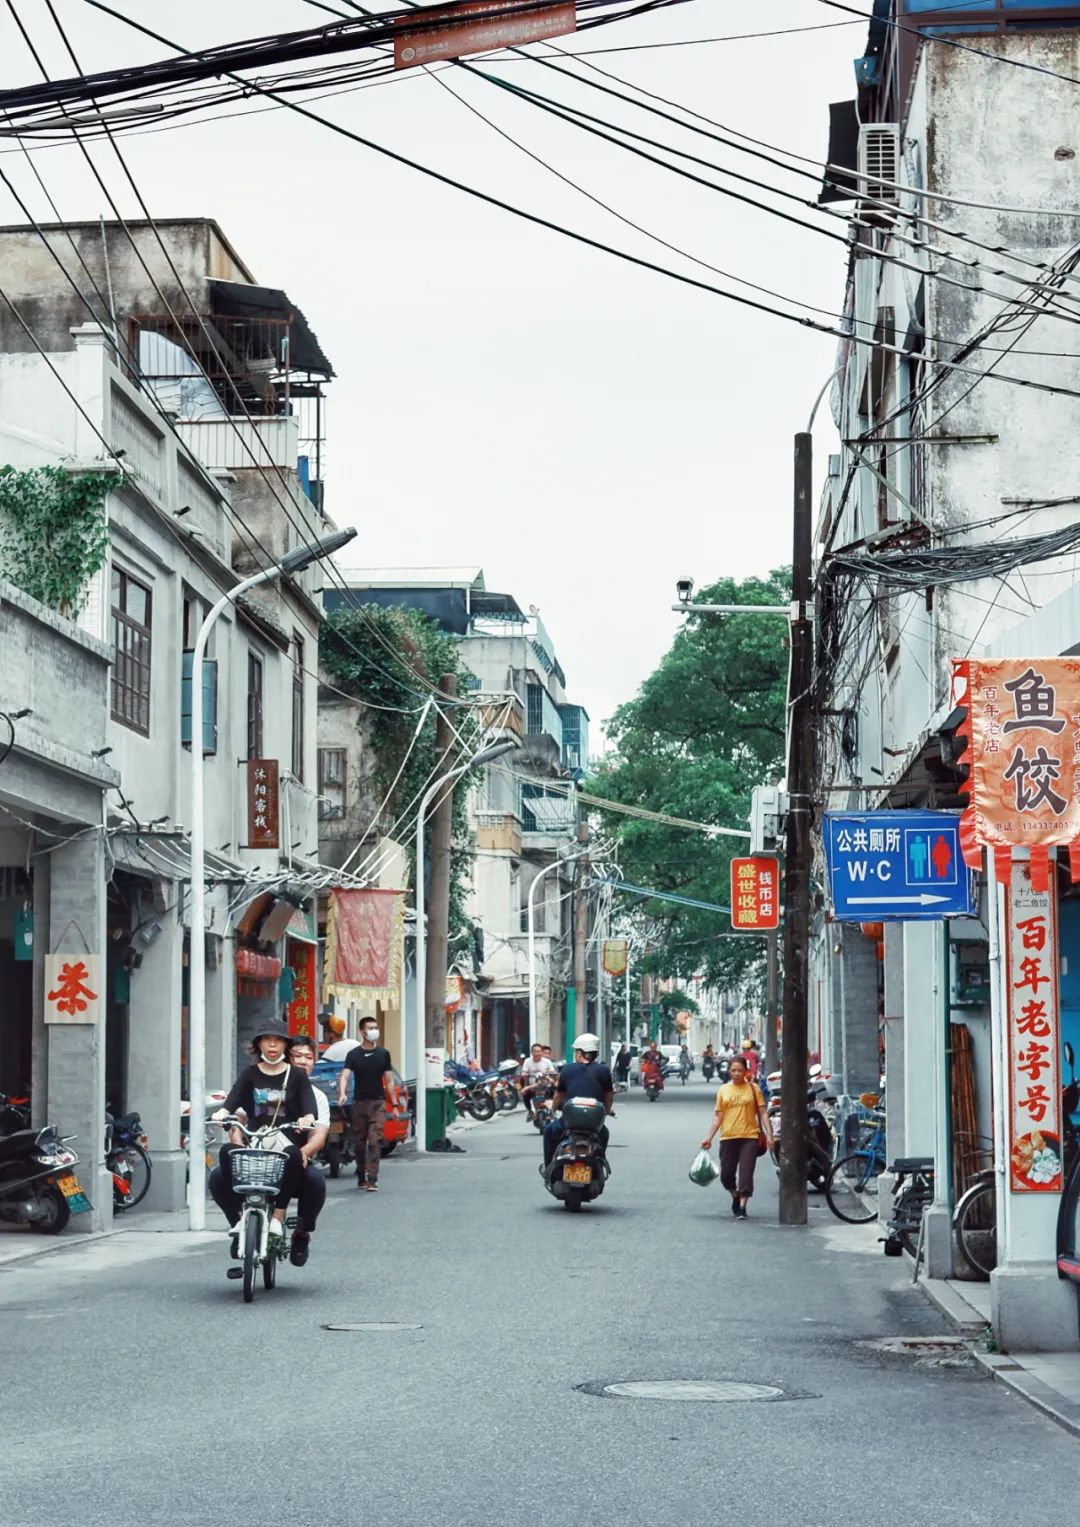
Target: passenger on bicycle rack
(269, 1092)
(312, 1193)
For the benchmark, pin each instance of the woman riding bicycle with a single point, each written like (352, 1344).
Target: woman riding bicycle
(269, 1092)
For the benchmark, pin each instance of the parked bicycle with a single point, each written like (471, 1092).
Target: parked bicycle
(127, 1158)
(851, 1188)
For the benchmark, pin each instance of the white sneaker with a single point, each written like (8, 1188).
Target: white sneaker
(276, 1227)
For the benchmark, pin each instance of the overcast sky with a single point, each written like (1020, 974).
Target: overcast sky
(585, 431)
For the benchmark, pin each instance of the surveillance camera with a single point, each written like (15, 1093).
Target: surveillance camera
(684, 587)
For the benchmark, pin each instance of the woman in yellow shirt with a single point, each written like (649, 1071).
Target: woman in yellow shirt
(740, 1110)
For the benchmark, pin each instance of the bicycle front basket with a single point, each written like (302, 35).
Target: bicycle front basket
(257, 1170)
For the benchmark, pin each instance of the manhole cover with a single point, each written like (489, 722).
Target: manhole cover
(692, 1391)
(373, 1325)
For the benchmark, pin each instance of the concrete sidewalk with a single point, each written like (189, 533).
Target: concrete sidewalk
(1048, 1380)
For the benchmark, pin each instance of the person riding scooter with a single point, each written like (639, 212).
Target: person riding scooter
(652, 1068)
(585, 1078)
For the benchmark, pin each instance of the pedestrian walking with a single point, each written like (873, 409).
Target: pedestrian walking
(740, 1114)
(370, 1066)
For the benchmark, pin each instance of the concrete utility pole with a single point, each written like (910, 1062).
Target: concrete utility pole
(438, 896)
(580, 1018)
(793, 1109)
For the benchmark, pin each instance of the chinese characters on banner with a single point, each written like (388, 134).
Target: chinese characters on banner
(301, 1014)
(1032, 1035)
(616, 954)
(755, 899)
(263, 814)
(1023, 721)
(72, 988)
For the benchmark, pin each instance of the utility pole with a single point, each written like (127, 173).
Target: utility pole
(793, 1109)
(771, 997)
(438, 895)
(578, 1019)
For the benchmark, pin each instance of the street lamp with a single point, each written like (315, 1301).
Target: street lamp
(530, 902)
(485, 755)
(292, 562)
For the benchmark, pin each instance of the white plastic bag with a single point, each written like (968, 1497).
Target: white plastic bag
(704, 1169)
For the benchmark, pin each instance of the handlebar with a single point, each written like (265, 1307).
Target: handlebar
(260, 1133)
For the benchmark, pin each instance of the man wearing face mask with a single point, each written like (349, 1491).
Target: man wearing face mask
(370, 1066)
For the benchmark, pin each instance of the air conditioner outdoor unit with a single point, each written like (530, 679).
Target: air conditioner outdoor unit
(879, 168)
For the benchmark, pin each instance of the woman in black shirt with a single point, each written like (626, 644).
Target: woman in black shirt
(268, 1092)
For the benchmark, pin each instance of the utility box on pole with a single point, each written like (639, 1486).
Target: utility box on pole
(768, 807)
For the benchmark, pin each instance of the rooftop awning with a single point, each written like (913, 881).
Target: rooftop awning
(240, 299)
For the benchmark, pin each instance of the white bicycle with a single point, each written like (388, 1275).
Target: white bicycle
(256, 1169)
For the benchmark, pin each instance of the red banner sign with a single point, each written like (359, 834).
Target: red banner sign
(451, 31)
(1032, 1035)
(263, 808)
(755, 894)
(301, 1015)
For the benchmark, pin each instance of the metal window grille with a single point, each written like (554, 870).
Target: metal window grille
(255, 707)
(131, 626)
(331, 783)
(534, 709)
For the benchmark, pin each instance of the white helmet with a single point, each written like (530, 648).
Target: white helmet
(589, 1044)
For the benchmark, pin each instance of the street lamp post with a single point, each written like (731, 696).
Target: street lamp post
(294, 562)
(530, 902)
(485, 755)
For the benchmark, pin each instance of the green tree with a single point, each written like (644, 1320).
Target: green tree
(705, 727)
(388, 658)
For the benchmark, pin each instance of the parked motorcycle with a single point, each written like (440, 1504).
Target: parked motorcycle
(127, 1159)
(37, 1185)
(579, 1168)
(472, 1090)
(504, 1089)
(820, 1141)
(14, 1114)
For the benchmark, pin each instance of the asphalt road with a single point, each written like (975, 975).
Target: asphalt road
(139, 1391)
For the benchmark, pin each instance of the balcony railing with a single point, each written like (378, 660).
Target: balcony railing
(231, 444)
(499, 830)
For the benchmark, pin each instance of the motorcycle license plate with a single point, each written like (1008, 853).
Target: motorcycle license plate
(337, 1127)
(75, 1194)
(577, 1172)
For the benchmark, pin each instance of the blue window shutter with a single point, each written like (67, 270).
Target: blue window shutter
(209, 700)
(185, 699)
(209, 703)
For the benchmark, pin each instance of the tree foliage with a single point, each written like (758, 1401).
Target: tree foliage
(54, 533)
(704, 728)
(388, 658)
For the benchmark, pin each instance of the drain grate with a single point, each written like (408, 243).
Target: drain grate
(693, 1391)
(919, 1346)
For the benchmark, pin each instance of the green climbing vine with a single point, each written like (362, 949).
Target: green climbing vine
(53, 532)
(383, 656)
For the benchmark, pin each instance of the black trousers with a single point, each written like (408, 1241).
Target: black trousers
(738, 1158)
(311, 1197)
(229, 1201)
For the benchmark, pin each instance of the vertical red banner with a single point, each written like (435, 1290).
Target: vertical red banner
(1032, 1035)
(755, 894)
(301, 1014)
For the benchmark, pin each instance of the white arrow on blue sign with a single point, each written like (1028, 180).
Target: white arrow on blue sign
(896, 865)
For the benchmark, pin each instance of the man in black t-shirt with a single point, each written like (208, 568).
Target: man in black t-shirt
(370, 1066)
(585, 1077)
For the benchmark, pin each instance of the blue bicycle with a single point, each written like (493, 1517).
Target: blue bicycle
(851, 1188)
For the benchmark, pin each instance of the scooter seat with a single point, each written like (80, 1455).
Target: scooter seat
(913, 1164)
